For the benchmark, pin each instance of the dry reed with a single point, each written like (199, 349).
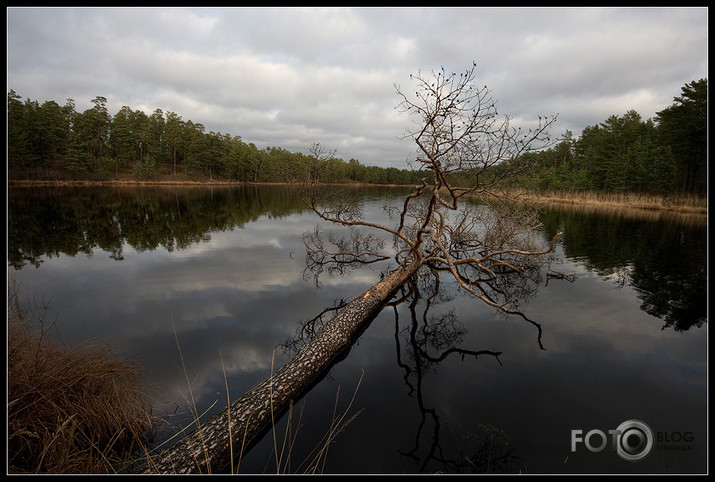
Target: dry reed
(674, 202)
(70, 409)
(283, 457)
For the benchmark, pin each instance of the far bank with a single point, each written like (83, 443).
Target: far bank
(685, 204)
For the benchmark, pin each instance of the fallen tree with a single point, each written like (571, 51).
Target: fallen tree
(458, 133)
(209, 448)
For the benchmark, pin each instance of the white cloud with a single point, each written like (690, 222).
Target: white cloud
(291, 76)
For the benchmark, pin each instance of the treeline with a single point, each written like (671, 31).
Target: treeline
(52, 137)
(625, 153)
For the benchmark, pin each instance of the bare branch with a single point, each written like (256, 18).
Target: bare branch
(456, 129)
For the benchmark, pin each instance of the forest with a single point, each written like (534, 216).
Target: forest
(664, 155)
(624, 153)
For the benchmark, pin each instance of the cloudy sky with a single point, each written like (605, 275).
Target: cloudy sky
(289, 77)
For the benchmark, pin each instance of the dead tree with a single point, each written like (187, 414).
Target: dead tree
(457, 131)
(231, 432)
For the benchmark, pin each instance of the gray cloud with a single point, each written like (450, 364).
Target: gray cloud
(291, 76)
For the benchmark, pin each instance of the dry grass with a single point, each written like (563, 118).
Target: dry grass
(682, 203)
(686, 209)
(313, 463)
(70, 409)
(74, 410)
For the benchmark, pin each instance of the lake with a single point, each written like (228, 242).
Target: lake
(618, 345)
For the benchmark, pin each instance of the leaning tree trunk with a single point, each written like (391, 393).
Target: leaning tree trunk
(207, 449)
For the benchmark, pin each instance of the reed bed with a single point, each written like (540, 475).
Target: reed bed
(683, 209)
(70, 409)
(673, 202)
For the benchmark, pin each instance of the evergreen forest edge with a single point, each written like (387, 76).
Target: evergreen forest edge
(662, 156)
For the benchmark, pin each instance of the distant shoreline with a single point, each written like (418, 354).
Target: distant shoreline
(179, 182)
(645, 202)
(120, 182)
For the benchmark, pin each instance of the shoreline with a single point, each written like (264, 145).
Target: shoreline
(688, 205)
(168, 183)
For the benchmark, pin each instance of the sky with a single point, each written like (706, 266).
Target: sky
(289, 77)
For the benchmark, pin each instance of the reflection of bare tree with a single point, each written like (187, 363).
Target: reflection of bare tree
(431, 339)
(347, 253)
(552, 274)
(492, 453)
(434, 333)
(434, 338)
(307, 329)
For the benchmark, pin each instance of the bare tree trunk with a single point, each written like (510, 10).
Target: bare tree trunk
(208, 448)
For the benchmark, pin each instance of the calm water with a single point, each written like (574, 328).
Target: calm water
(624, 338)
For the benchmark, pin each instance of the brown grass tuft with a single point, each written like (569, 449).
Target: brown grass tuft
(70, 409)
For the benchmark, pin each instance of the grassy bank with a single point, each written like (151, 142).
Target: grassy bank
(690, 210)
(681, 203)
(70, 409)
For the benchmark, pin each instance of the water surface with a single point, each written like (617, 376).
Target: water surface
(222, 270)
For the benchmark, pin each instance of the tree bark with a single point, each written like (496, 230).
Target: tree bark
(208, 449)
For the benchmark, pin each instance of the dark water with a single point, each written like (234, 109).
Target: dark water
(622, 339)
